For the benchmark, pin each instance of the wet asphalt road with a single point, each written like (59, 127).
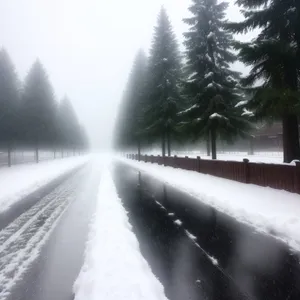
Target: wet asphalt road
(56, 226)
(199, 253)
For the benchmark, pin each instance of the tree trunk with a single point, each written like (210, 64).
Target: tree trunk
(213, 144)
(291, 147)
(37, 152)
(139, 150)
(208, 145)
(251, 146)
(163, 145)
(169, 143)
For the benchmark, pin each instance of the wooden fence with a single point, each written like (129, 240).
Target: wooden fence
(10, 157)
(283, 177)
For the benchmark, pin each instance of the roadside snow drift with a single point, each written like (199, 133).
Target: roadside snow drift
(21, 180)
(258, 157)
(271, 211)
(114, 268)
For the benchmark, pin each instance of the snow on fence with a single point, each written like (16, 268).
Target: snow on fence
(277, 176)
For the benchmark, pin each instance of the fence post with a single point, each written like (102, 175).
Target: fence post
(175, 162)
(146, 158)
(186, 163)
(246, 170)
(152, 158)
(297, 177)
(198, 163)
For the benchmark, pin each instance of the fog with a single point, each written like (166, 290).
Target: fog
(87, 48)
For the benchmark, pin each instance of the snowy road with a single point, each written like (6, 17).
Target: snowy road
(28, 201)
(199, 253)
(194, 251)
(41, 251)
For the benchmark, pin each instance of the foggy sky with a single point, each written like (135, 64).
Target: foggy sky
(87, 47)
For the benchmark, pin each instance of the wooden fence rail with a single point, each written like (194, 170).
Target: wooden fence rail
(277, 176)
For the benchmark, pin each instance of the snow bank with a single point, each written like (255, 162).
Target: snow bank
(19, 181)
(274, 212)
(114, 268)
(271, 157)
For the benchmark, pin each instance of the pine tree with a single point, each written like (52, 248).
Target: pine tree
(71, 134)
(38, 108)
(164, 74)
(130, 119)
(211, 86)
(84, 143)
(9, 100)
(274, 56)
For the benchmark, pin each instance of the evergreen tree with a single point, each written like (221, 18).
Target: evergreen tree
(84, 143)
(164, 75)
(38, 108)
(9, 100)
(275, 59)
(212, 86)
(72, 135)
(130, 119)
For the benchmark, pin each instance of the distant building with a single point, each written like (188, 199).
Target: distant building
(268, 137)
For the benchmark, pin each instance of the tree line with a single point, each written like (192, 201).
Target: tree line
(30, 116)
(197, 95)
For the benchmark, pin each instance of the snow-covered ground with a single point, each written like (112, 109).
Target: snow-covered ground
(21, 180)
(239, 156)
(114, 268)
(264, 157)
(271, 211)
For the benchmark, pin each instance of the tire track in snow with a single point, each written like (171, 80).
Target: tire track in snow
(21, 241)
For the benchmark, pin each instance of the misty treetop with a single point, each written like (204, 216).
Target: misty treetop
(38, 106)
(30, 115)
(9, 99)
(130, 119)
(69, 131)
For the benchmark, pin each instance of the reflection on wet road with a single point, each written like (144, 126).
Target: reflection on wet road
(199, 253)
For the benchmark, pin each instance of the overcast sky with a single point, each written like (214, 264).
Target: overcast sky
(87, 47)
